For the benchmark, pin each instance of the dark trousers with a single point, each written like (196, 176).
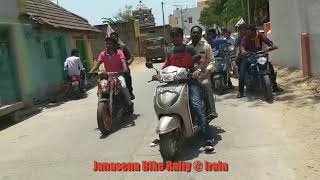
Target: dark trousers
(243, 66)
(128, 80)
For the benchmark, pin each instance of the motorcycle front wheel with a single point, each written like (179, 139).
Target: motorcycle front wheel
(235, 70)
(104, 118)
(267, 88)
(218, 84)
(169, 145)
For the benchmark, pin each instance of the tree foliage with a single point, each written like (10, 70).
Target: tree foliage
(226, 12)
(124, 15)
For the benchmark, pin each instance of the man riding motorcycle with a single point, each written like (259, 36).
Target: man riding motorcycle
(182, 55)
(229, 38)
(115, 61)
(252, 42)
(204, 49)
(129, 60)
(215, 41)
(74, 67)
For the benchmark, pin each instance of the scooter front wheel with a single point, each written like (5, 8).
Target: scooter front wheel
(169, 145)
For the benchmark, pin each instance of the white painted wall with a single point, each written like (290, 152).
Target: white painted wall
(8, 10)
(194, 13)
(290, 18)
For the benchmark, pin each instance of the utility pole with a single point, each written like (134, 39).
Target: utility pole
(164, 27)
(249, 14)
(182, 23)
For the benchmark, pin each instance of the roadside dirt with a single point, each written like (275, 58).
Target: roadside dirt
(300, 106)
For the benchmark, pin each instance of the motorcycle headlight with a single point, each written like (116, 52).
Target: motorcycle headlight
(262, 60)
(231, 48)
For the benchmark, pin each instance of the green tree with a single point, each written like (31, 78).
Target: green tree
(124, 15)
(228, 12)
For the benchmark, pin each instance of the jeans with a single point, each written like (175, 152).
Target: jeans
(208, 92)
(125, 91)
(197, 107)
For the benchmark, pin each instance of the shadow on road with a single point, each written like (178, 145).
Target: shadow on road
(256, 97)
(195, 145)
(126, 122)
(26, 113)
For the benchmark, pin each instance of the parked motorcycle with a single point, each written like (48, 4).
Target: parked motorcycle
(221, 75)
(171, 104)
(111, 107)
(258, 74)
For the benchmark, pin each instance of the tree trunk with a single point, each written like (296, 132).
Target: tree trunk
(252, 11)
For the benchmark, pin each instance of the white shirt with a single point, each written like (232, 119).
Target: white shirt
(73, 65)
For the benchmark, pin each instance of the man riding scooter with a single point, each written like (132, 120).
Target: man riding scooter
(114, 61)
(74, 67)
(204, 49)
(182, 55)
(252, 42)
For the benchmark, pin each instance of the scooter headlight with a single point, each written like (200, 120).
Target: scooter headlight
(262, 60)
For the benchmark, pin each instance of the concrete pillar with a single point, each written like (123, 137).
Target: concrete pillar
(305, 51)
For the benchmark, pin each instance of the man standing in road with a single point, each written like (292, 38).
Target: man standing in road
(204, 49)
(129, 60)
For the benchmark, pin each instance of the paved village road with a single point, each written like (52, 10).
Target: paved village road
(62, 141)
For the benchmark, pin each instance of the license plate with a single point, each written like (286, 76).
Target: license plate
(162, 89)
(153, 47)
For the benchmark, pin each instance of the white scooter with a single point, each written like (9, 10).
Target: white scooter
(171, 104)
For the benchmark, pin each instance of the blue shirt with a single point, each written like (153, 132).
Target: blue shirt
(215, 44)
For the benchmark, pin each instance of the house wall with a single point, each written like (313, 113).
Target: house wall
(9, 86)
(289, 19)
(185, 14)
(40, 75)
(88, 47)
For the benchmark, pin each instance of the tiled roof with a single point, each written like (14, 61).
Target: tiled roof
(49, 13)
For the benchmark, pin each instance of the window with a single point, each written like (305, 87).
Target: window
(48, 49)
(190, 19)
(177, 20)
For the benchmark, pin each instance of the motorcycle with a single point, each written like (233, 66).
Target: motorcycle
(221, 75)
(75, 87)
(232, 53)
(171, 104)
(110, 105)
(258, 74)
